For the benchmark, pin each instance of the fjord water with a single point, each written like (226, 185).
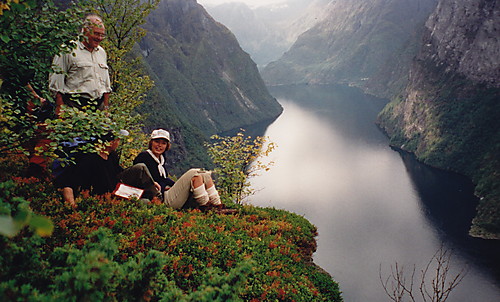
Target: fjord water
(373, 206)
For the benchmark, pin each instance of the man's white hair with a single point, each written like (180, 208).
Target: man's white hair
(92, 20)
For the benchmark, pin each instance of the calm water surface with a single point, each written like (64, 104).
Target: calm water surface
(372, 205)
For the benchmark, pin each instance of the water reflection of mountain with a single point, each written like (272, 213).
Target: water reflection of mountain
(448, 201)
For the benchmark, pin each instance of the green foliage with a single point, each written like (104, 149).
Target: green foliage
(123, 19)
(237, 159)
(31, 33)
(15, 214)
(11, 138)
(87, 125)
(91, 273)
(37, 31)
(110, 249)
(6, 5)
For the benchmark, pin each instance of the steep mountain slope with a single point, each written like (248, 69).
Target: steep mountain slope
(354, 44)
(256, 36)
(449, 113)
(268, 31)
(202, 69)
(204, 82)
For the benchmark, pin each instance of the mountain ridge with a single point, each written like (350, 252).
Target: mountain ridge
(185, 44)
(267, 32)
(352, 44)
(448, 113)
(204, 82)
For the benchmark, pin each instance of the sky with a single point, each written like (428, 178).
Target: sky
(250, 3)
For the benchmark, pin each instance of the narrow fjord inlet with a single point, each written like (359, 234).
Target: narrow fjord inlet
(372, 205)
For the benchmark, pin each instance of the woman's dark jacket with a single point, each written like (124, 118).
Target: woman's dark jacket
(146, 158)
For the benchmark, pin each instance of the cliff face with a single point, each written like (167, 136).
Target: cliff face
(356, 42)
(464, 36)
(268, 31)
(200, 71)
(256, 35)
(448, 114)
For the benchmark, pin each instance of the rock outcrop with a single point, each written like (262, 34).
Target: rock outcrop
(449, 113)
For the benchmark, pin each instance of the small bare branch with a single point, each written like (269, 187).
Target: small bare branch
(440, 286)
(397, 285)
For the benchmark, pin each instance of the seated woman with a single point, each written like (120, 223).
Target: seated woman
(197, 183)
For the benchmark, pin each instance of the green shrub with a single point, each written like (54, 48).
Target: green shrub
(15, 213)
(110, 249)
(238, 158)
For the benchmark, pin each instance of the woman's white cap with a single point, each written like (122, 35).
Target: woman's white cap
(160, 133)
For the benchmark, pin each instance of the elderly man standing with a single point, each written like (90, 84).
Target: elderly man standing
(82, 77)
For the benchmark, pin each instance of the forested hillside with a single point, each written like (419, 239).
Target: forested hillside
(368, 44)
(204, 82)
(448, 114)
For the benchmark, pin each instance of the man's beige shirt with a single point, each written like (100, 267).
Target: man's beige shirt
(83, 72)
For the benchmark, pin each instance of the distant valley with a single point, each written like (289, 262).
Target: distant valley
(268, 31)
(438, 61)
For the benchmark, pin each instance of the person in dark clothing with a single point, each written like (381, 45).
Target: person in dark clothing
(154, 158)
(95, 173)
(100, 173)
